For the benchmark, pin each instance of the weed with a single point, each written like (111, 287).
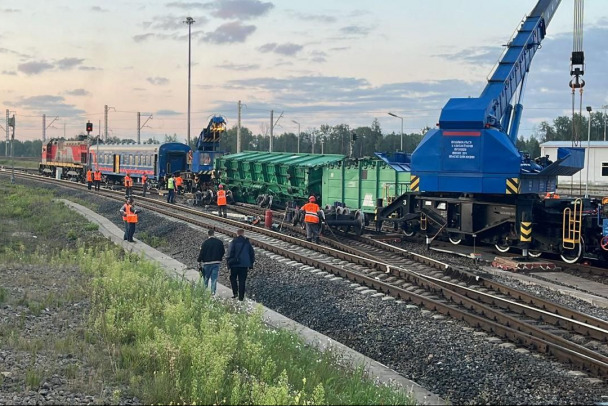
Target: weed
(3, 294)
(33, 378)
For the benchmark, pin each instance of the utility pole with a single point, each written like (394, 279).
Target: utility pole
(139, 127)
(271, 127)
(605, 119)
(238, 129)
(105, 117)
(7, 134)
(105, 121)
(46, 127)
(299, 133)
(11, 123)
(189, 21)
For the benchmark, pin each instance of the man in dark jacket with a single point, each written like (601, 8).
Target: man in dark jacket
(240, 259)
(211, 255)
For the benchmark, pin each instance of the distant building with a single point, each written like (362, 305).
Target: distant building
(597, 160)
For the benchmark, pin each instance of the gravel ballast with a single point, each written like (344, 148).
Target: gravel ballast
(455, 362)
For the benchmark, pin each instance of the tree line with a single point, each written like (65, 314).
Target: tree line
(363, 141)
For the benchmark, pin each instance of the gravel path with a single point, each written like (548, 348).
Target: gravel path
(455, 362)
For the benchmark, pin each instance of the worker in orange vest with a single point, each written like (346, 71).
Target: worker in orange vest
(179, 184)
(312, 220)
(97, 179)
(123, 213)
(131, 214)
(144, 184)
(221, 202)
(128, 185)
(89, 178)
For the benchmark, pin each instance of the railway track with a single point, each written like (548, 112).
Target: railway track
(571, 337)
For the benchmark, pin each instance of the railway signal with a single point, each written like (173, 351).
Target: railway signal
(89, 128)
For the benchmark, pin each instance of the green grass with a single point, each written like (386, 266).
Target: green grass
(166, 340)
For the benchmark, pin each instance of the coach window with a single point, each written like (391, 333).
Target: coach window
(604, 168)
(137, 160)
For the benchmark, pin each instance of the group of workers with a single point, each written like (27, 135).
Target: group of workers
(94, 177)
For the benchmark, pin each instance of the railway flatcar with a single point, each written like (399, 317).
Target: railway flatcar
(65, 159)
(154, 160)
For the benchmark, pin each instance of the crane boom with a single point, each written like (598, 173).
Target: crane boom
(490, 108)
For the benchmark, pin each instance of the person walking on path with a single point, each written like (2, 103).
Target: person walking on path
(144, 184)
(240, 259)
(132, 218)
(128, 185)
(211, 255)
(171, 189)
(97, 179)
(89, 178)
(123, 213)
(311, 219)
(221, 201)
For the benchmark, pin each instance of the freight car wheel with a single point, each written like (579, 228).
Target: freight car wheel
(571, 256)
(502, 247)
(455, 238)
(534, 253)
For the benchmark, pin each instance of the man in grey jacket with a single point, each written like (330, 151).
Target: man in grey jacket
(240, 259)
(211, 255)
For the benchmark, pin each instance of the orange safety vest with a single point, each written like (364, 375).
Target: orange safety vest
(144, 178)
(125, 208)
(178, 181)
(221, 198)
(89, 176)
(128, 181)
(131, 216)
(97, 175)
(311, 210)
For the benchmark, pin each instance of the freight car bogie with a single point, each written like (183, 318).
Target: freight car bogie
(570, 228)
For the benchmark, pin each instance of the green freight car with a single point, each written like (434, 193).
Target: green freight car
(359, 184)
(254, 176)
(349, 190)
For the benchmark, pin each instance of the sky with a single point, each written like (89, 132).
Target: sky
(312, 62)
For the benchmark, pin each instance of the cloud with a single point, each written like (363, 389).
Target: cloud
(68, 63)
(158, 81)
(143, 37)
(238, 67)
(355, 30)
(34, 68)
(185, 5)
(167, 113)
(288, 49)
(78, 92)
(47, 103)
(240, 9)
(230, 33)
(320, 18)
(9, 72)
(99, 9)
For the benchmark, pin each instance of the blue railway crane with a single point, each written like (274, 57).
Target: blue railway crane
(473, 150)
(207, 147)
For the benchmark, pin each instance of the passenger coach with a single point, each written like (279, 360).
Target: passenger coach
(153, 160)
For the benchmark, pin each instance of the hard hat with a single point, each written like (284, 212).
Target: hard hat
(221, 186)
(312, 199)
